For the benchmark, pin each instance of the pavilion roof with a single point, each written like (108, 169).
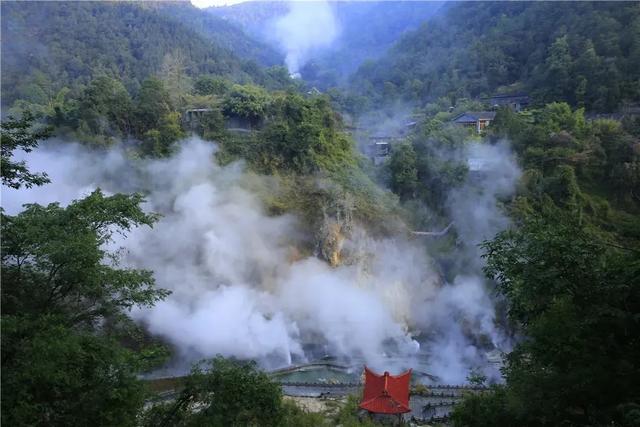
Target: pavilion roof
(386, 393)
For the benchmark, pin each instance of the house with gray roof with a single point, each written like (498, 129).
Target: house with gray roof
(475, 119)
(515, 101)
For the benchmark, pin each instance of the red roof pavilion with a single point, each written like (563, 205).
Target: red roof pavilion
(386, 394)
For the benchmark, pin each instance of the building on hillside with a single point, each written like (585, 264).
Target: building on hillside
(386, 395)
(626, 111)
(239, 124)
(196, 114)
(193, 118)
(410, 125)
(515, 101)
(476, 119)
(379, 147)
(380, 151)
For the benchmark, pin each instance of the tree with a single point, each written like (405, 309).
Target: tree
(558, 65)
(55, 376)
(586, 67)
(249, 102)
(210, 85)
(575, 296)
(106, 107)
(52, 260)
(484, 410)
(159, 142)
(153, 103)
(20, 134)
(127, 41)
(174, 76)
(404, 174)
(225, 392)
(575, 53)
(64, 321)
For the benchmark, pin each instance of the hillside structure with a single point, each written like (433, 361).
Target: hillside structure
(515, 101)
(386, 394)
(476, 119)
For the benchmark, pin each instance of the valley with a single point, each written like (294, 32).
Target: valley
(221, 216)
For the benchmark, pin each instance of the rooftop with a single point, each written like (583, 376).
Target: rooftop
(475, 115)
(509, 95)
(386, 394)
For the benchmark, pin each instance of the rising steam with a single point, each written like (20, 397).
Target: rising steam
(307, 27)
(238, 290)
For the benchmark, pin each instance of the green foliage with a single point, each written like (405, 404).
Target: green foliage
(211, 85)
(218, 31)
(105, 113)
(576, 297)
(304, 136)
(318, 169)
(159, 142)
(277, 78)
(558, 65)
(578, 164)
(70, 354)
(52, 260)
(484, 410)
(105, 108)
(404, 174)
(586, 54)
(46, 46)
(348, 415)
(212, 126)
(174, 75)
(152, 104)
(223, 392)
(136, 69)
(432, 161)
(53, 375)
(18, 134)
(294, 416)
(301, 135)
(64, 322)
(476, 378)
(248, 102)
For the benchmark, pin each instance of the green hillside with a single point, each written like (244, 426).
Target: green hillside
(587, 54)
(220, 31)
(366, 31)
(47, 46)
(348, 216)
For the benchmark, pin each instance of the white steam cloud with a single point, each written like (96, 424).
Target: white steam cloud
(474, 207)
(307, 27)
(475, 210)
(239, 289)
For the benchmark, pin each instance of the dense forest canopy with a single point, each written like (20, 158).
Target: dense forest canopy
(587, 54)
(49, 47)
(219, 31)
(339, 214)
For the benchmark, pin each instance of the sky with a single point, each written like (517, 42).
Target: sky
(208, 3)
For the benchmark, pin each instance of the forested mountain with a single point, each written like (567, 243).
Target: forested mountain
(219, 31)
(47, 46)
(365, 31)
(252, 16)
(587, 54)
(268, 218)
